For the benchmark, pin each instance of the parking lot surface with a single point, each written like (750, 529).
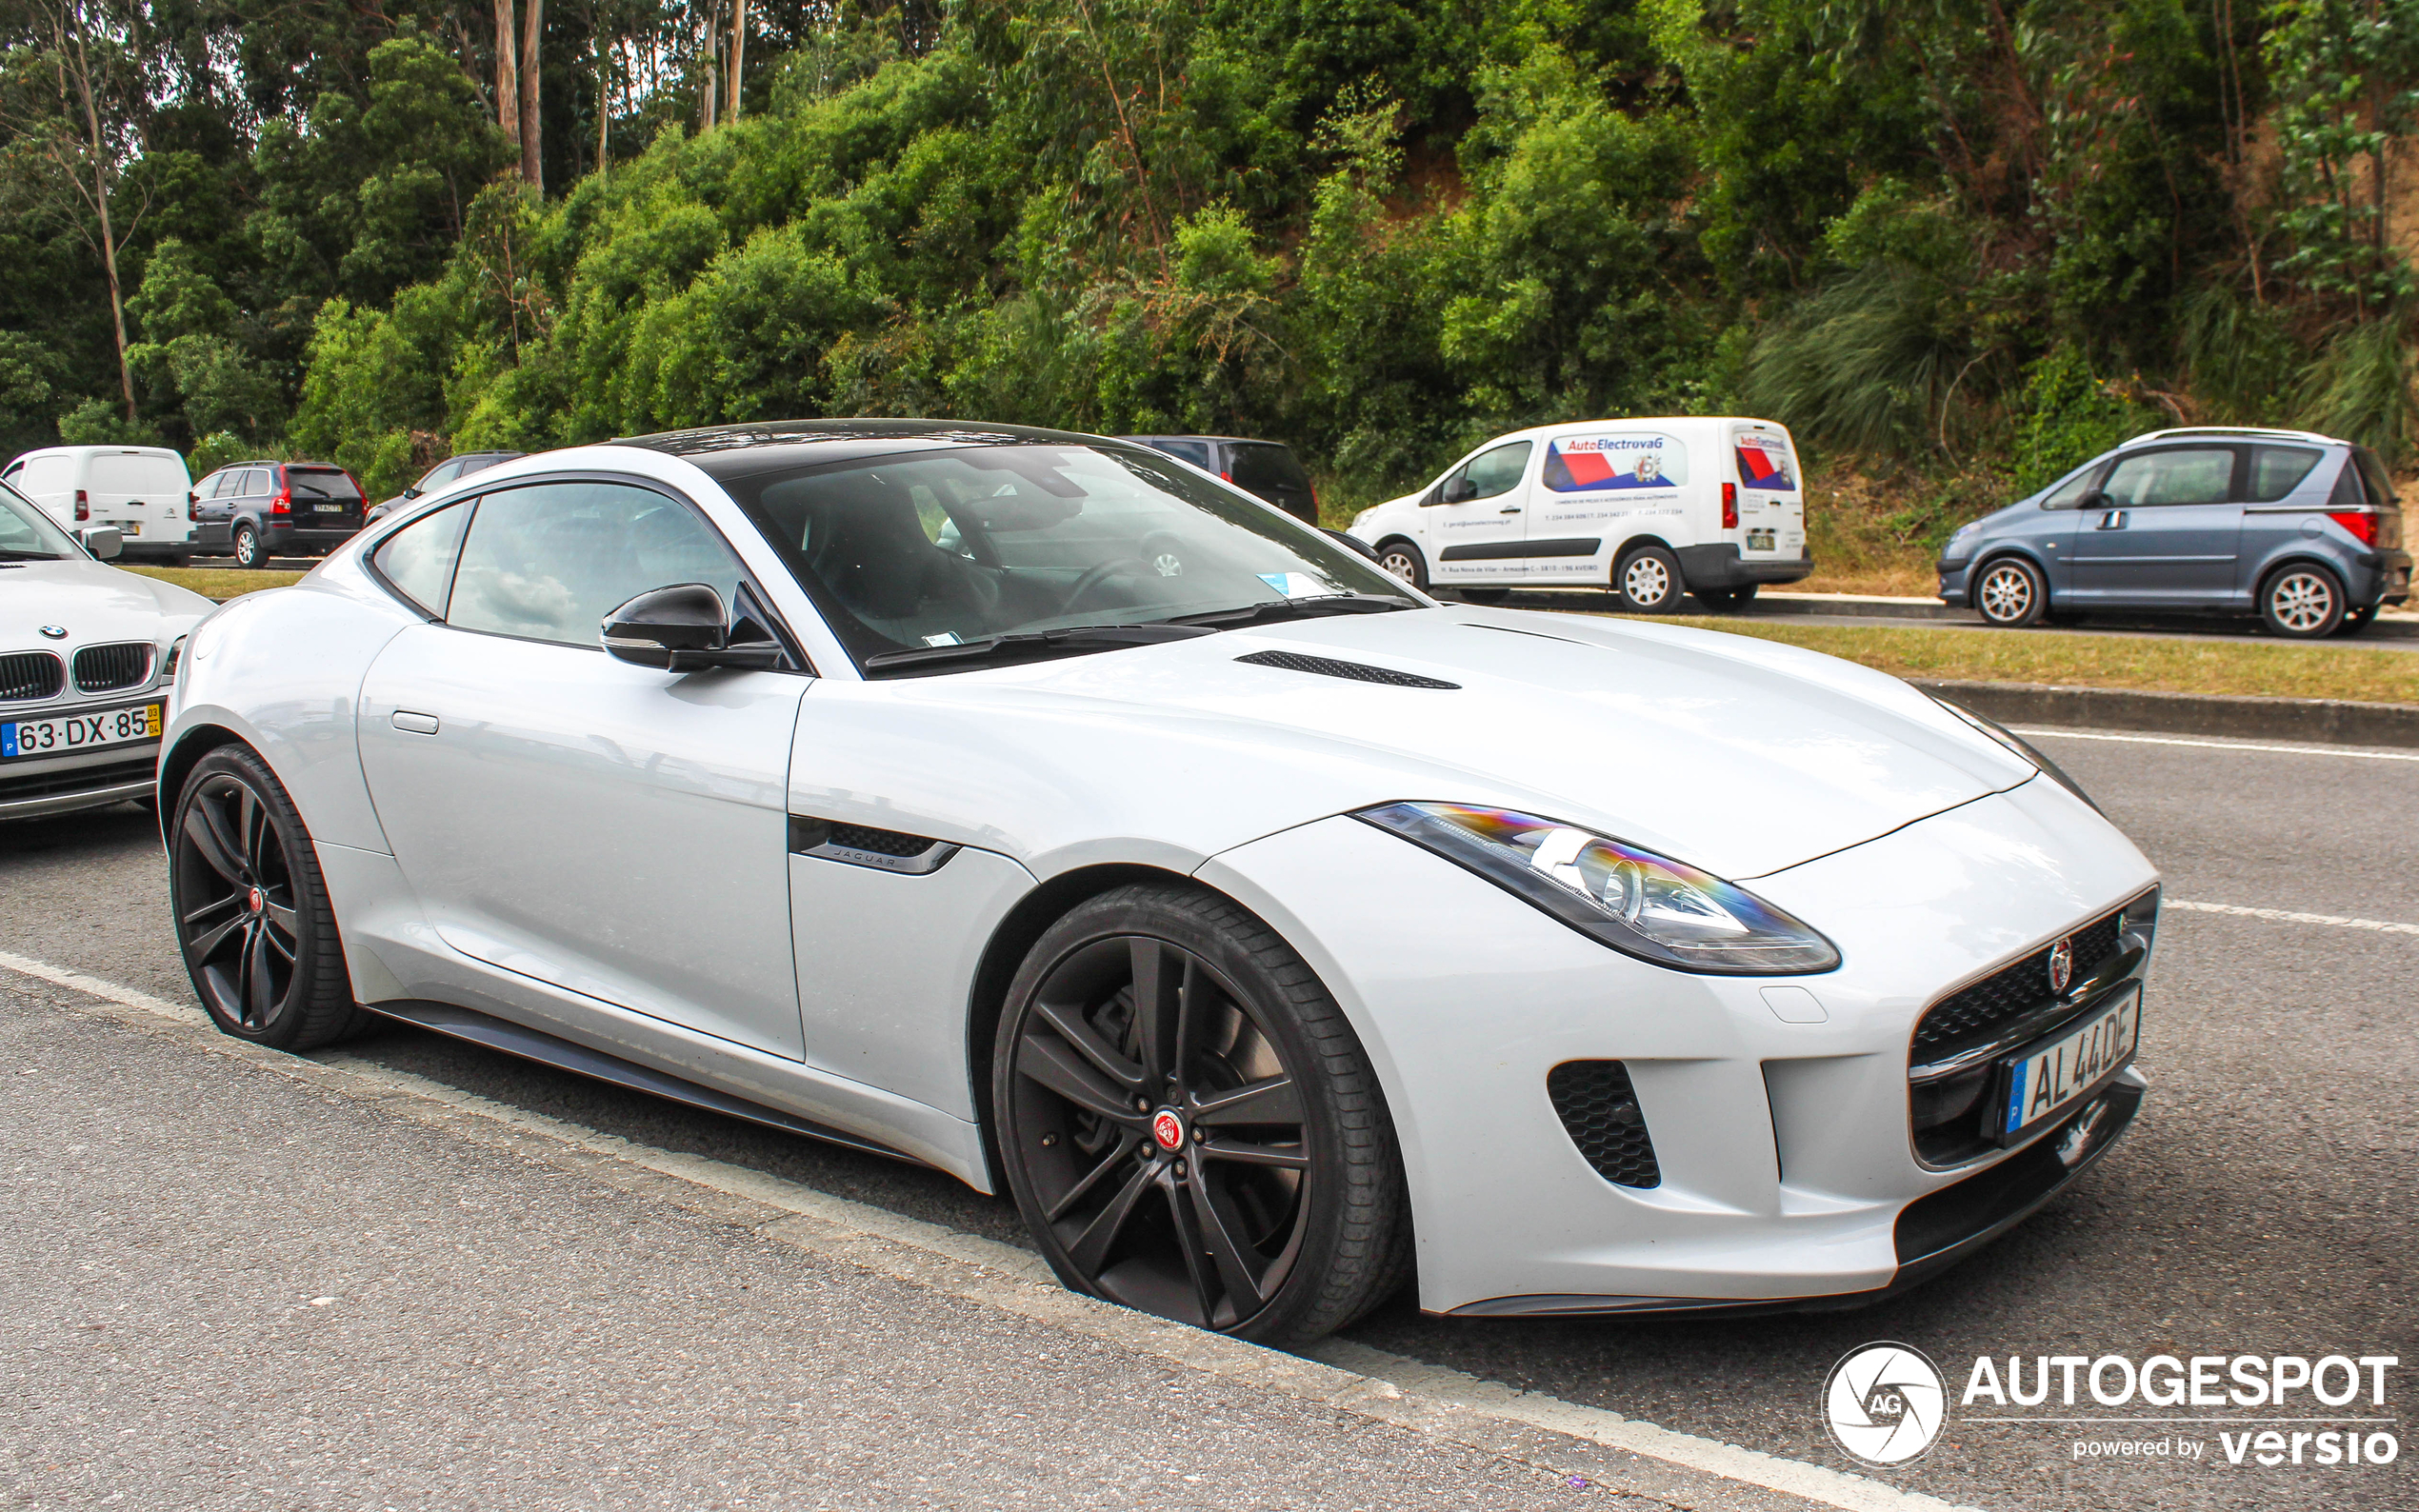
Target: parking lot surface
(540, 1335)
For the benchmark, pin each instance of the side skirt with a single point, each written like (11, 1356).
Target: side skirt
(532, 1044)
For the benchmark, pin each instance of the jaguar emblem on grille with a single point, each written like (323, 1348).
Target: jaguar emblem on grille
(2061, 963)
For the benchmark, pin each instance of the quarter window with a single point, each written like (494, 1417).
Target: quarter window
(2185, 475)
(1498, 471)
(547, 562)
(2278, 470)
(417, 561)
(2068, 495)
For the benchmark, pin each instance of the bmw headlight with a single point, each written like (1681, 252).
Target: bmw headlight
(1640, 904)
(2021, 746)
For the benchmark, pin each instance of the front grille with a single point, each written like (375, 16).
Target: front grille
(1599, 1109)
(77, 779)
(30, 674)
(105, 668)
(1971, 1015)
(1349, 672)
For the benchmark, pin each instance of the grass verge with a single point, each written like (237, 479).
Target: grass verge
(219, 582)
(2360, 674)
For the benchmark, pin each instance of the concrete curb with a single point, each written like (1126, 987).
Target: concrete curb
(2321, 721)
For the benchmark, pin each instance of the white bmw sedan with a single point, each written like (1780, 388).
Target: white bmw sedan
(1035, 808)
(85, 653)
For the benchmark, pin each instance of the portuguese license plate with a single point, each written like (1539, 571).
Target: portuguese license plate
(1759, 540)
(328, 508)
(61, 733)
(2042, 1081)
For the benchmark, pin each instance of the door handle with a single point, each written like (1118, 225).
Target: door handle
(1510, 509)
(2113, 520)
(417, 724)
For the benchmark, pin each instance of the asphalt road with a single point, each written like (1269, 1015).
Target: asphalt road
(2263, 1204)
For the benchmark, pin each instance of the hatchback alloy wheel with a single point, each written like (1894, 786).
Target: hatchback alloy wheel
(1170, 1148)
(2008, 593)
(2303, 601)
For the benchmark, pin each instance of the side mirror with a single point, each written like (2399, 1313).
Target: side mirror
(1460, 489)
(102, 541)
(2094, 499)
(680, 629)
(1352, 544)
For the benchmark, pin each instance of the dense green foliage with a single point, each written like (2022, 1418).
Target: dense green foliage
(1954, 236)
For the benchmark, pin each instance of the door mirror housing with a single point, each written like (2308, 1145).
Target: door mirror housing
(1460, 489)
(102, 541)
(680, 628)
(2094, 499)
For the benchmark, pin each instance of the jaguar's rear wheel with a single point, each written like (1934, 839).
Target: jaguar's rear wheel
(1190, 1127)
(251, 909)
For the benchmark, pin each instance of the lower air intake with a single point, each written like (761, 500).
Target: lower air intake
(1599, 1109)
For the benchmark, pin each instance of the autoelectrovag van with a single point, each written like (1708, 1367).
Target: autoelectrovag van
(1653, 508)
(141, 491)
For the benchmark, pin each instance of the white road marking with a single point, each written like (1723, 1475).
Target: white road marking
(1342, 1376)
(2287, 916)
(2029, 732)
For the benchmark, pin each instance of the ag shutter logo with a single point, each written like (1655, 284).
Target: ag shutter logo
(1884, 1404)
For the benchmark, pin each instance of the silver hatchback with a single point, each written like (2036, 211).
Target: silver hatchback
(2303, 530)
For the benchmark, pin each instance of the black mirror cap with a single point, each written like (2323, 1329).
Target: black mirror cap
(1460, 490)
(650, 629)
(2094, 499)
(1351, 543)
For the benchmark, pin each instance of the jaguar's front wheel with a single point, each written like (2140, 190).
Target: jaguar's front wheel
(1190, 1127)
(252, 917)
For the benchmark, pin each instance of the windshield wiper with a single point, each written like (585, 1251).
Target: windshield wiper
(1026, 643)
(8, 555)
(1287, 608)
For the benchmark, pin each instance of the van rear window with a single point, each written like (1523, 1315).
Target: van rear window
(137, 475)
(1765, 462)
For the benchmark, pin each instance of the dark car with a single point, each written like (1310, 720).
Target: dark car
(253, 510)
(442, 475)
(2303, 530)
(1266, 469)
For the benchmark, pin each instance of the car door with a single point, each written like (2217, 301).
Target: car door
(1477, 528)
(2163, 530)
(612, 830)
(211, 508)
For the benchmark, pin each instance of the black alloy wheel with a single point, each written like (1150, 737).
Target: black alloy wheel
(251, 910)
(247, 549)
(1190, 1126)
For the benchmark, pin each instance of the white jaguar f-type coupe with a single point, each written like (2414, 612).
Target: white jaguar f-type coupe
(1042, 809)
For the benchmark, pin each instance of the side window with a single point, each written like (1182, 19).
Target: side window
(2068, 495)
(438, 476)
(2278, 470)
(547, 562)
(255, 484)
(1196, 452)
(1498, 471)
(2346, 494)
(417, 561)
(2185, 475)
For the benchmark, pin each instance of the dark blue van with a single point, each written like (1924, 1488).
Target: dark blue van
(2303, 530)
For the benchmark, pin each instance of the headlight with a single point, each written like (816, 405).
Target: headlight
(1640, 904)
(1955, 549)
(175, 655)
(1363, 515)
(2021, 746)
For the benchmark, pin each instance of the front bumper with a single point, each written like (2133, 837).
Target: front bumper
(1720, 565)
(1788, 1169)
(59, 785)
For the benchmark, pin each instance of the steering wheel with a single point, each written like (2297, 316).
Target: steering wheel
(1100, 573)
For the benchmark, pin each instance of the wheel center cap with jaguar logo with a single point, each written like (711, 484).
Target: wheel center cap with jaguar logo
(1167, 1129)
(256, 901)
(2062, 963)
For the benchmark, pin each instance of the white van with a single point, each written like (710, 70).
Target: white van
(1651, 508)
(144, 491)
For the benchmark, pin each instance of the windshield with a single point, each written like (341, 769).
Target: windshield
(27, 533)
(952, 547)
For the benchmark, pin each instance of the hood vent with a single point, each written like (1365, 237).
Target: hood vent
(1349, 672)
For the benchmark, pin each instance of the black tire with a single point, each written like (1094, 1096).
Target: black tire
(1484, 595)
(1647, 581)
(248, 548)
(1281, 1227)
(1726, 601)
(2356, 621)
(2010, 592)
(1404, 561)
(251, 911)
(2302, 601)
